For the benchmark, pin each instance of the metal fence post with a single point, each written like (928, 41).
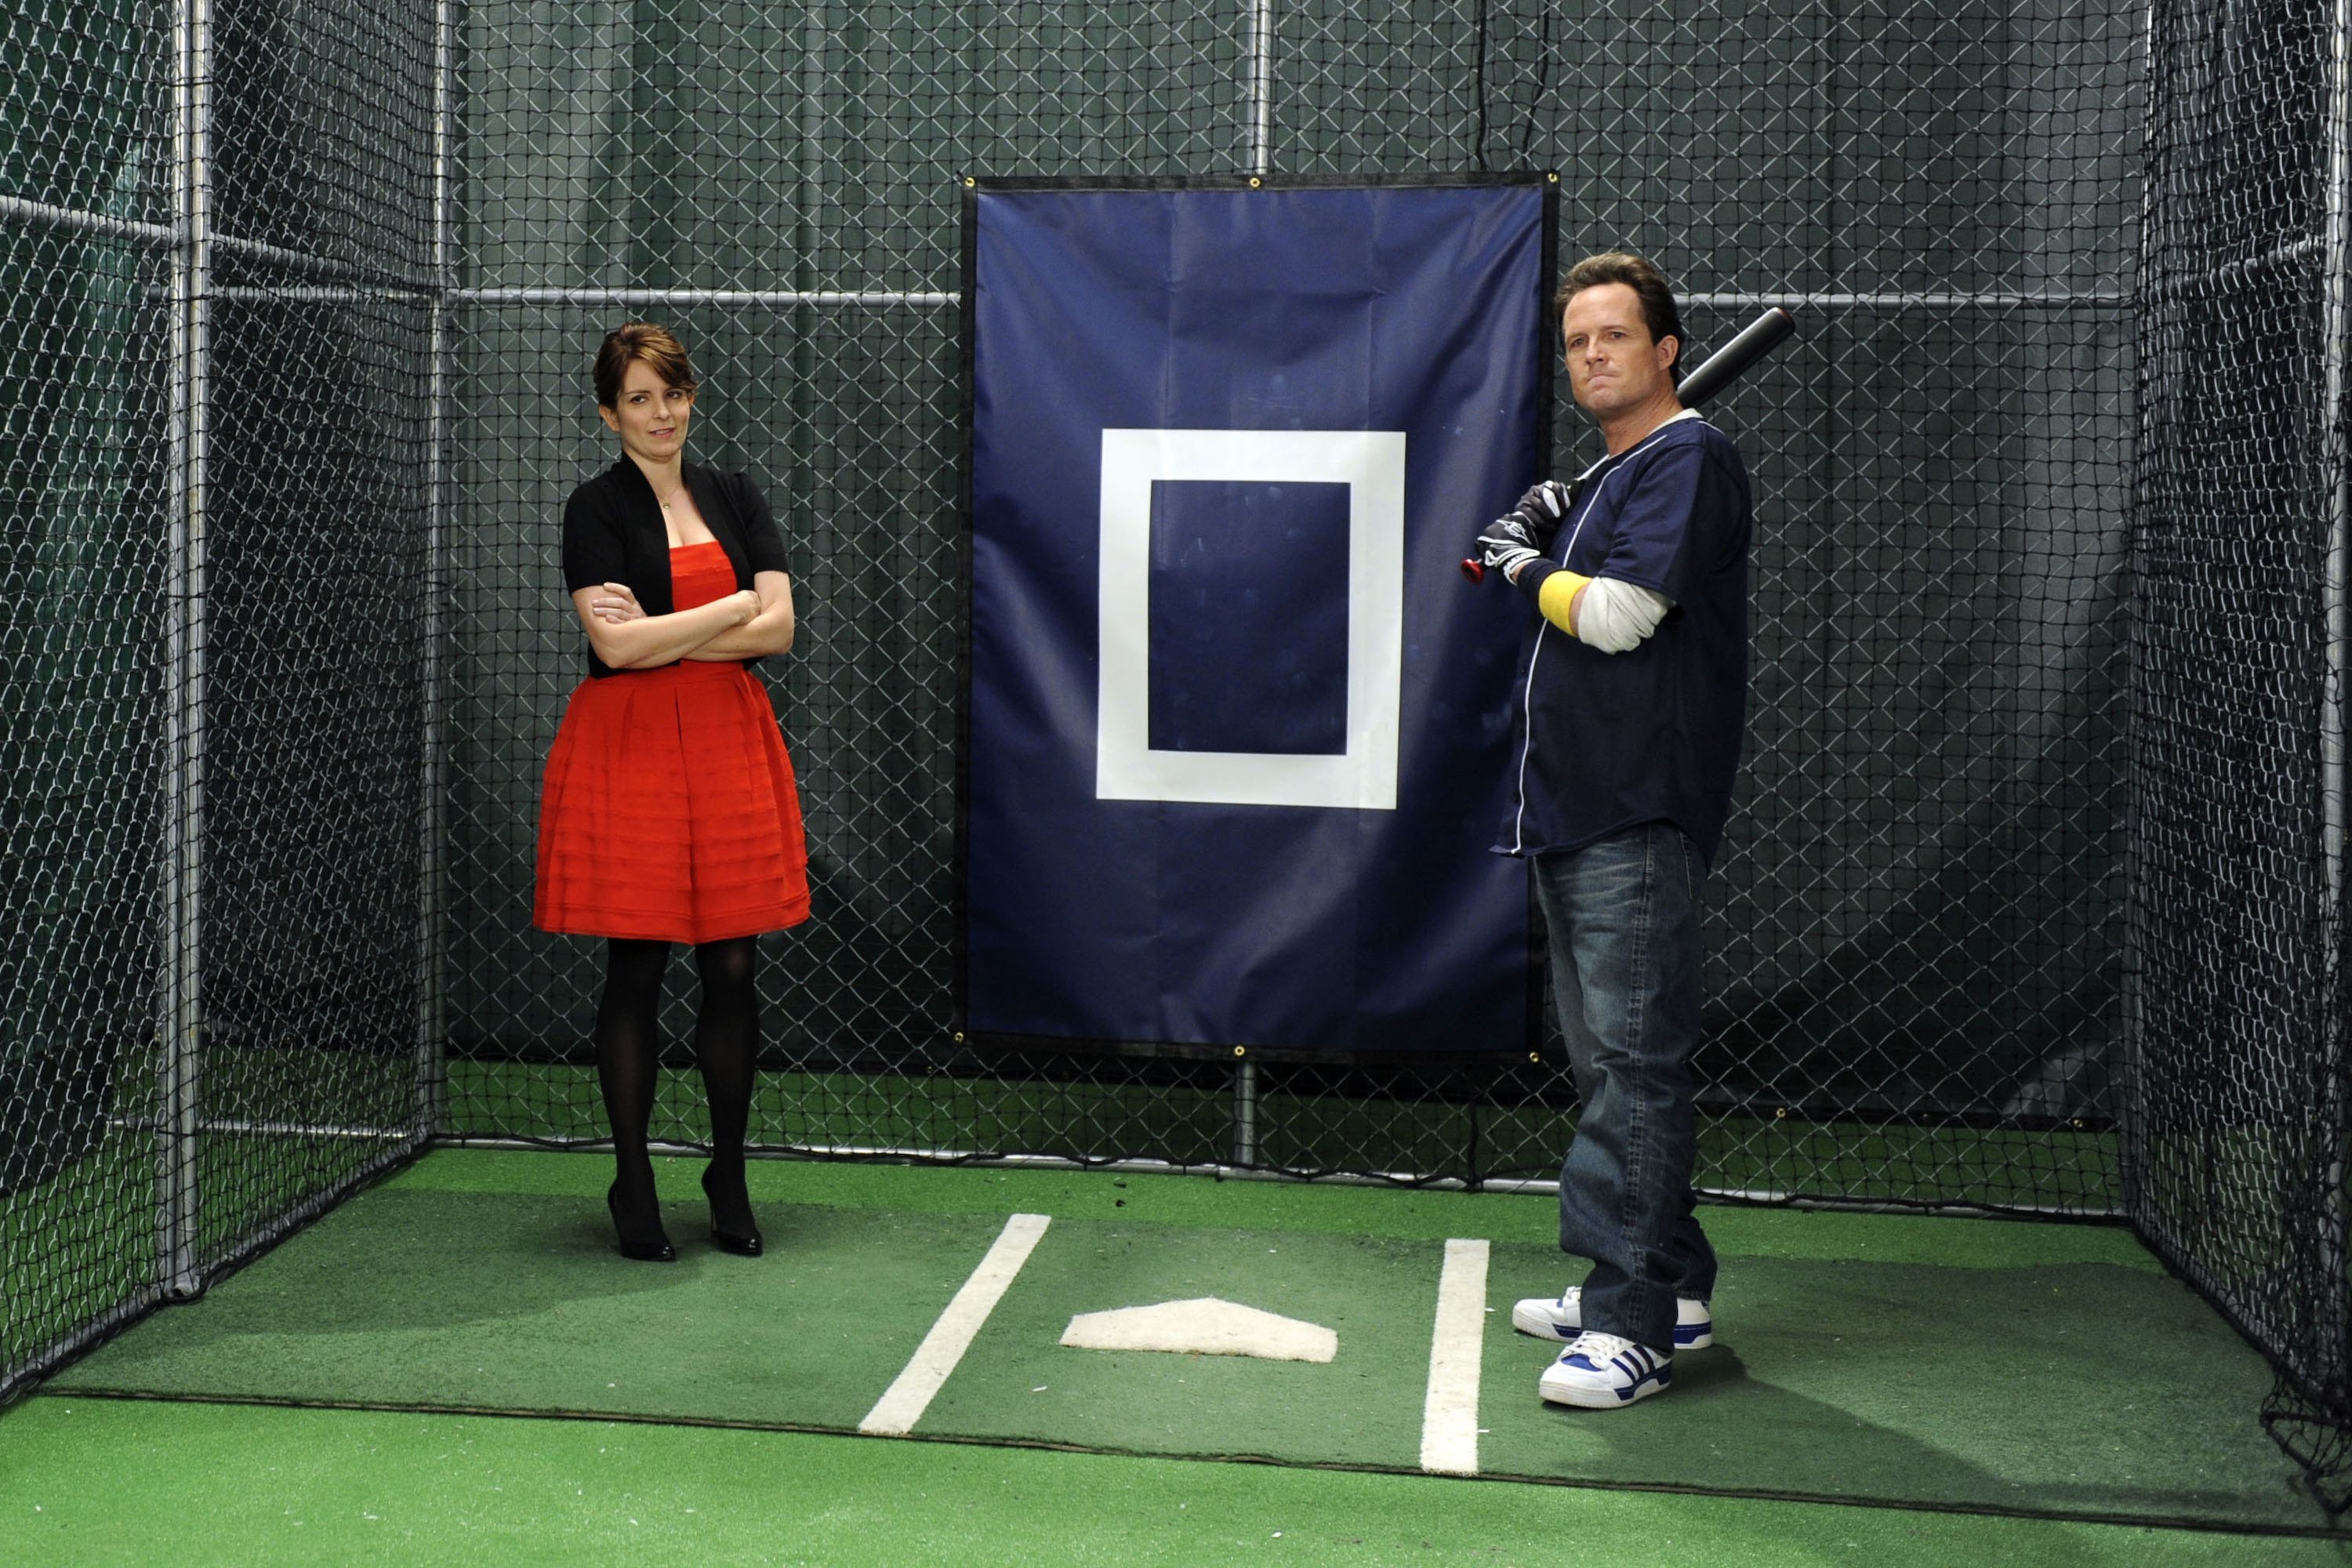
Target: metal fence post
(182, 1034)
(1258, 103)
(2335, 458)
(1259, 95)
(432, 1082)
(1245, 1112)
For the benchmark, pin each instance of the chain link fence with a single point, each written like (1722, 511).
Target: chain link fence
(1914, 932)
(82, 567)
(304, 293)
(214, 637)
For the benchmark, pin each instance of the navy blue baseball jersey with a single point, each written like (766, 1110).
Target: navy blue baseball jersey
(1612, 740)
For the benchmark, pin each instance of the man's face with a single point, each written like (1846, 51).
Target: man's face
(1613, 364)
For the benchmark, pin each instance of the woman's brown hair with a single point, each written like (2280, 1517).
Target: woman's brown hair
(633, 340)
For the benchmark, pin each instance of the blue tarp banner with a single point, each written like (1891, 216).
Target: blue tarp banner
(1236, 730)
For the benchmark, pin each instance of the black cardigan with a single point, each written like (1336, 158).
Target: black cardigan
(612, 532)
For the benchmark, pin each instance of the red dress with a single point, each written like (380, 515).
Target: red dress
(667, 811)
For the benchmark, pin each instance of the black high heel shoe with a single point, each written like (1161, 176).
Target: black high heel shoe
(744, 1243)
(641, 1248)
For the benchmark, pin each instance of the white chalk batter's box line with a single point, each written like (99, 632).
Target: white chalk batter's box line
(1449, 1423)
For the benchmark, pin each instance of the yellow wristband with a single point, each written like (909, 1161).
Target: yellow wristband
(1556, 599)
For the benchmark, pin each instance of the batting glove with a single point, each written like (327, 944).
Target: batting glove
(1540, 511)
(1507, 547)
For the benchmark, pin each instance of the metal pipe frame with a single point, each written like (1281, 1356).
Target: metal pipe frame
(883, 298)
(2133, 1036)
(248, 1126)
(2011, 301)
(2335, 472)
(178, 1272)
(315, 266)
(432, 1082)
(2229, 273)
(1246, 1097)
(17, 209)
(2334, 416)
(1261, 137)
(1258, 99)
(311, 293)
(596, 298)
(164, 236)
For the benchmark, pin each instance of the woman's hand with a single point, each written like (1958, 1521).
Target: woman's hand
(624, 636)
(768, 630)
(613, 603)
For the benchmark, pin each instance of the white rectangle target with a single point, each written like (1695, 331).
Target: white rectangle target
(1371, 463)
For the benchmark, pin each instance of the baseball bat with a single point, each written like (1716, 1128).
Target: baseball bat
(1721, 368)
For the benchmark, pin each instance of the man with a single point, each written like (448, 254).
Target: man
(1634, 699)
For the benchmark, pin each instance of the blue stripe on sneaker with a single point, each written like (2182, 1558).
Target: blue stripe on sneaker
(1638, 1366)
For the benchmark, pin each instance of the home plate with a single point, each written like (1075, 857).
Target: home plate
(1206, 1326)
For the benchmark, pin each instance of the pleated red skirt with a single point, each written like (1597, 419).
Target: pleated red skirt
(667, 811)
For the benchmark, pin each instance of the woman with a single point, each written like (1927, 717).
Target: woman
(668, 812)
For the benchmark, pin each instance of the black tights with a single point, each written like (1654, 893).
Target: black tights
(628, 1059)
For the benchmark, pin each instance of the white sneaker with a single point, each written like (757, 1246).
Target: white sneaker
(1564, 1319)
(1602, 1371)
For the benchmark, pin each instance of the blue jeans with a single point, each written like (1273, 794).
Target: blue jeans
(1625, 973)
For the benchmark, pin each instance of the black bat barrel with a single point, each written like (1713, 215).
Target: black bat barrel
(1725, 364)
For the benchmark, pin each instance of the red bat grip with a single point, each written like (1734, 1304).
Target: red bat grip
(1472, 570)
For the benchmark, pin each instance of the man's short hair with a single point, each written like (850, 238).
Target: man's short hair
(1659, 311)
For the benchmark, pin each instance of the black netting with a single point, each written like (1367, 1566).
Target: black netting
(2238, 1011)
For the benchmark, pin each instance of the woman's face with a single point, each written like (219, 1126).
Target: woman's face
(651, 416)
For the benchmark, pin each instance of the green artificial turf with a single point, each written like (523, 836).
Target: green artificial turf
(1363, 1407)
(517, 1302)
(87, 1482)
(2074, 1388)
(1966, 1364)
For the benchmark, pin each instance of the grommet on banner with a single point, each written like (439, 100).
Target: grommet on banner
(958, 1036)
(1253, 181)
(1551, 176)
(969, 182)
(1535, 1057)
(1241, 1050)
